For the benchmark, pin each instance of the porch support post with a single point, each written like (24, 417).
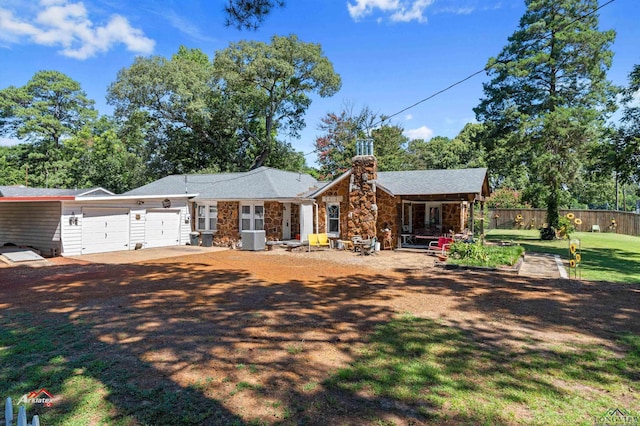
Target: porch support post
(482, 221)
(471, 216)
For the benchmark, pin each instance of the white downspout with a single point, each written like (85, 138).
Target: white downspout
(316, 205)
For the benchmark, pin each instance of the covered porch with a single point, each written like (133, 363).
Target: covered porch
(424, 219)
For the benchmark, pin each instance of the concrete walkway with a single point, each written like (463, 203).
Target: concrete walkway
(537, 265)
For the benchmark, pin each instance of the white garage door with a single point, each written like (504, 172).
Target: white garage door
(162, 228)
(104, 229)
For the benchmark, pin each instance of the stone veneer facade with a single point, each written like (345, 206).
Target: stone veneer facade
(338, 193)
(273, 220)
(388, 215)
(451, 217)
(228, 232)
(362, 216)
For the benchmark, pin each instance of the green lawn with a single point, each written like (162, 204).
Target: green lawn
(426, 365)
(605, 256)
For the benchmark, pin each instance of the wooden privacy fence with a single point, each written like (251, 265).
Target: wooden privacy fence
(625, 222)
(22, 415)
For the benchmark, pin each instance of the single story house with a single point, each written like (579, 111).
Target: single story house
(404, 205)
(226, 204)
(401, 206)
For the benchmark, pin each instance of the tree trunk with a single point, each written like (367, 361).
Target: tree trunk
(260, 159)
(617, 194)
(553, 222)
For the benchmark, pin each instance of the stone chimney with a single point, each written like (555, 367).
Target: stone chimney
(363, 211)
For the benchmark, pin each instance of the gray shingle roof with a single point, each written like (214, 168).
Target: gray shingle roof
(263, 183)
(24, 191)
(436, 182)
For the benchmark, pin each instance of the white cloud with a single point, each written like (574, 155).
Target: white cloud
(420, 133)
(185, 26)
(457, 10)
(67, 25)
(397, 10)
(408, 117)
(412, 12)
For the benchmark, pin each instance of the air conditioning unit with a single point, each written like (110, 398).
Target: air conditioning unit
(253, 240)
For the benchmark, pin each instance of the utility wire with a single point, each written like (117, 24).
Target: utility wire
(485, 69)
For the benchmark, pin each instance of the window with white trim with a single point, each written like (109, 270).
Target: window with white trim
(333, 219)
(207, 217)
(252, 217)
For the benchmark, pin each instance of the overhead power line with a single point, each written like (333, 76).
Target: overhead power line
(485, 69)
(470, 76)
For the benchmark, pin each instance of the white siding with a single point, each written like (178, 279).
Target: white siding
(137, 227)
(34, 224)
(72, 234)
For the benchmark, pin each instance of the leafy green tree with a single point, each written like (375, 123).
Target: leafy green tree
(390, 148)
(173, 112)
(548, 96)
(625, 152)
(505, 198)
(12, 170)
(46, 111)
(471, 152)
(465, 150)
(98, 157)
(432, 154)
(269, 84)
(337, 146)
(50, 107)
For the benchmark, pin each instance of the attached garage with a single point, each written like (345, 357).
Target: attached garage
(162, 228)
(104, 230)
(75, 222)
(120, 222)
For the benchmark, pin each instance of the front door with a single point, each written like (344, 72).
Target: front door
(286, 221)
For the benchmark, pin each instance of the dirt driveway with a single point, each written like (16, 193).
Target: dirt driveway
(282, 323)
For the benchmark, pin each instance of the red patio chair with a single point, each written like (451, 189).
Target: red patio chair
(440, 247)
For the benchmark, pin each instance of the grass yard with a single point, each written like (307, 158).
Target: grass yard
(248, 338)
(605, 256)
(425, 364)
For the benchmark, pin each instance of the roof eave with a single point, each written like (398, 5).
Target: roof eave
(134, 197)
(36, 198)
(320, 191)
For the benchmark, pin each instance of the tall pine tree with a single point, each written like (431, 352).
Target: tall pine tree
(548, 96)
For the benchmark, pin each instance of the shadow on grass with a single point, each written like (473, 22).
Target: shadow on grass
(223, 340)
(415, 367)
(92, 383)
(164, 343)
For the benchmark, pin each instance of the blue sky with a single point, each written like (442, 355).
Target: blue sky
(389, 53)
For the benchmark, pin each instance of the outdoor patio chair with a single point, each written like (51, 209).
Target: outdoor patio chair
(368, 249)
(356, 241)
(440, 247)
